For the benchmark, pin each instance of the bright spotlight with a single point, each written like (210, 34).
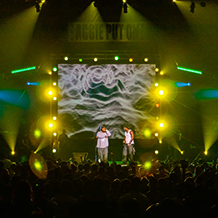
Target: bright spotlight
(116, 58)
(55, 69)
(160, 141)
(161, 73)
(156, 84)
(50, 72)
(54, 118)
(12, 152)
(156, 69)
(54, 134)
(50, 125)
(66, 58)
(161, 92)
(54, 83)
(80, 60)
(145, 59)
(130, 59)
(50, 92)
(205, 153)
(54, 150)
(181, 152)
(55, 98)
(95, 59)
(156, 134)
(156, 152)
(161, 125)
(157, 105)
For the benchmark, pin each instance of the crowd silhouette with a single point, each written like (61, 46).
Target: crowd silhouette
(71, 189)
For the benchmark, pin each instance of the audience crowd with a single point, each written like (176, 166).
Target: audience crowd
(71, 189)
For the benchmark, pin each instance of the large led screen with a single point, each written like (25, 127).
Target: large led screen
(115, 95)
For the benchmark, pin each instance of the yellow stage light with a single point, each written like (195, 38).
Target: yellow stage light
(131, 60)
(66, 58)
(55, 98)
(206, 153)
(54, 150)
(161, 73)
(156, 134)
(54, 134)
(146, 60)
(54, 83)
(156, 84)
(50, 92)
(160, 141)
(161, 92)
(95, 59)
(182, 152)
(54, 118)
(156, 152)
(13, 152)
(156, 69)
(50, 72)
(50, 125)
(161, 125)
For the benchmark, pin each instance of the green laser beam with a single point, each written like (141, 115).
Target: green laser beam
(23, 70)
(189, 70)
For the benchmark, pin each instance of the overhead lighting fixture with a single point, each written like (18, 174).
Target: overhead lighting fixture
(192, 6)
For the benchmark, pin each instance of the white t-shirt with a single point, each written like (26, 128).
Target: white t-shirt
(102, 139)
(128, 137)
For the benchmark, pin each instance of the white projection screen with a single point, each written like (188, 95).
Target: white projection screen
(115, 95)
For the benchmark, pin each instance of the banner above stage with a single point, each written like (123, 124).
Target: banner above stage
(108, 32)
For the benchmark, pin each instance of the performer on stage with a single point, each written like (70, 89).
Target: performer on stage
(63, 139)
(102, 144)
(128, 147)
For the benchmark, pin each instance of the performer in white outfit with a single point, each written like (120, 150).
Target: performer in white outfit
(128, 147)
(102, 144)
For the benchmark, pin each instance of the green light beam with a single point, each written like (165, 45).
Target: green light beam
(23, 70)
(189, 70)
